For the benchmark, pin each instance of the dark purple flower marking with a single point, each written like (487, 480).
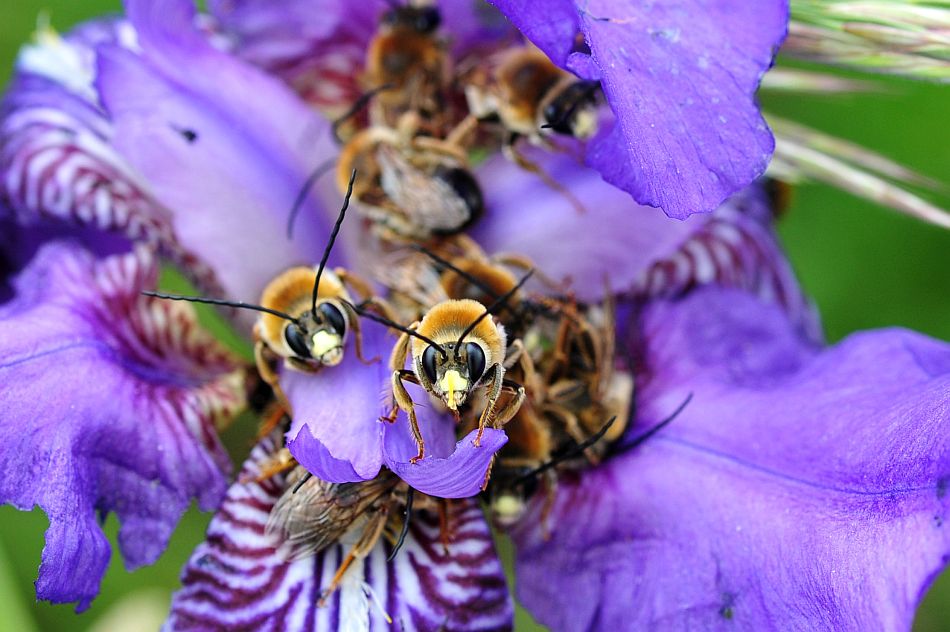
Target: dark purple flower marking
(109, 401)
(236, 579)
(787, 492)
(680, 77)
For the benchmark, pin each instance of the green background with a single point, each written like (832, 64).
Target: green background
(865, 266)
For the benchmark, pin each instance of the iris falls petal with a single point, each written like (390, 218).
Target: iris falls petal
(109, 404)
(236, 580)
(784, 496)
(680, 76)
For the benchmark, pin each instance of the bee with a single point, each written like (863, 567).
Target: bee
(572, 387)
(415, 187)
(313, 514)
(533, 98)
(306, 314)
(407, 56)
(456, 350)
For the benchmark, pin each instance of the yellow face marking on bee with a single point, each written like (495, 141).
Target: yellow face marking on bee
(324, 342)
(452, 383)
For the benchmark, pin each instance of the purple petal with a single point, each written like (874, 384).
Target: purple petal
(737, 248)
(449, 469)
(317, 47)
(181, 107)
(109, 402)
(614, 241)
(552, 26)
(796, 484)
(236, 580)
(461, 474)
(336, 432)
(680, 76)
(56, 159)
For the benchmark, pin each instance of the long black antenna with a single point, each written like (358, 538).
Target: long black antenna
(358, 105)
(579, 448)
(315, 175)
(468, 276)
(333, 234)
(218, 301)
(391, 323)
(501, 300)
(655, 429)
(405, 526)
(570, 454)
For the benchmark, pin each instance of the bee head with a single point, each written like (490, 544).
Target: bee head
(454, 373)
(573, 110)
(422, 20)
(318, 335)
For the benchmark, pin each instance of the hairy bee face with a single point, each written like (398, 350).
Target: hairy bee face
(454, 374)
(318, 339)
(314, 340)
(453, 377)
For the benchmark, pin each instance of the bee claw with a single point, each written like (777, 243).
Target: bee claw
(417, 458)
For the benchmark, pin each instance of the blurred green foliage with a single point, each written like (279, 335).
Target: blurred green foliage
(865, 267)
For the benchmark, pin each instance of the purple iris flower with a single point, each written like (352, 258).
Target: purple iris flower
(778, 498)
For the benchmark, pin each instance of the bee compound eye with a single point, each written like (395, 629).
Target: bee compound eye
(476, 361)
(428, 362)
(428, 20)
(296, 338)
(334, 317)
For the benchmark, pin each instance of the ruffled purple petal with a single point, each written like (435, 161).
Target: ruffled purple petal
(110, 401)
(737, 248)
(228, 166)
(800, 489)
(236, 580)
(552, 26)
(450, 468)
(336, 433)
(680, 76)
(56, 157)
(610, 244)
(461, 474)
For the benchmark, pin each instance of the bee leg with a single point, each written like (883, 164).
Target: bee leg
(514, 353)
(404, 402)
(521, 262)
(511, 152)
(445, 525)
(277, 464)
(397, 362)
(368, 539)
(508, 410)
(358, 283)
(265, 359)
(573, 428)
(461, 132)
(273, 419)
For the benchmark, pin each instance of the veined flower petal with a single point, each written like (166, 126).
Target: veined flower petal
(110, 401)
(228, 167)
(236, 580)
(782, 496)
(56, 157)
(680, 76)
(336, 432)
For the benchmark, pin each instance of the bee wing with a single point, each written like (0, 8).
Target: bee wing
(319, 513)
(428, 202)
(411, 275)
